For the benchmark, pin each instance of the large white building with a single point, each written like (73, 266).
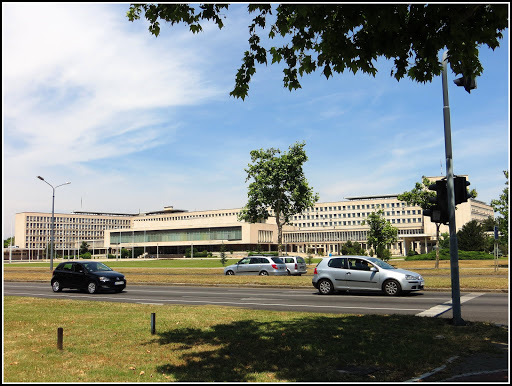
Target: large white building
(169, 232)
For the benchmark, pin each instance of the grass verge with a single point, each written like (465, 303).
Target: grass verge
(474, 274)
(112, 342)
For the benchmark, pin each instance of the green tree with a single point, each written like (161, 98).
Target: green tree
(381, 233)
(223, 258)
(84, 248)
(472, 237)
(501, 206)
(350, 248)
(8, 242)
(278, 188)
(332, 38)
(444, 241)
(125, 253)
(421, 196)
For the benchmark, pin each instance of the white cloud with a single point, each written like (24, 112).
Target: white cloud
(74, 74)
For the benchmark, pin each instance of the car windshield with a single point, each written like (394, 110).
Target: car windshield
(380, 263)
(96, 267)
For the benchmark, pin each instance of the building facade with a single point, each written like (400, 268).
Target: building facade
(170, 232)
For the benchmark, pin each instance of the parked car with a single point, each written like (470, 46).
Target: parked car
(295, 265)
(257, 265)
(91, 276)
(363, 273)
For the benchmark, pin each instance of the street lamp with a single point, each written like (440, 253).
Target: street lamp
(53, 219)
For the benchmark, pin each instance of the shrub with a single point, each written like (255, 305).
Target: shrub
(444, 254)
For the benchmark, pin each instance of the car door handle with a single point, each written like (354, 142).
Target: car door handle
(349, 273)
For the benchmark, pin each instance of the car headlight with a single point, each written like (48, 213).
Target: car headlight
(412, 277)
(103, 278)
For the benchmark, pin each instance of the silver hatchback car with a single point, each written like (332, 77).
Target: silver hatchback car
(257, 265)
(363, 273)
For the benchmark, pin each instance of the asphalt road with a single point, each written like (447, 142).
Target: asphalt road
(475, 306)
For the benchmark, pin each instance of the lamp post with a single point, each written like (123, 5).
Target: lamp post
(53, 219)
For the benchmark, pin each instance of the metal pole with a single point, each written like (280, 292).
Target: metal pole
(52, 232)
(454, 250)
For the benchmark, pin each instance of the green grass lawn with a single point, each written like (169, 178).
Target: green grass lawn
(112, 342)
(474, 274)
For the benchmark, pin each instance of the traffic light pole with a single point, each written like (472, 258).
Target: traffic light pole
(454, 250)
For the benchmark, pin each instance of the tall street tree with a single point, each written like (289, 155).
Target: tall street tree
(421, 196)
(278, 187)
(333, 38)
(381, 233)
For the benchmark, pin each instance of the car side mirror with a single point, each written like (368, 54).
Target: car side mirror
(373, 269)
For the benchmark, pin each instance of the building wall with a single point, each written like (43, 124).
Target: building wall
(33, 229)
(323, 228)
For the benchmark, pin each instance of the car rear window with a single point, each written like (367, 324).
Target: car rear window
(300, 260)
(277, 260)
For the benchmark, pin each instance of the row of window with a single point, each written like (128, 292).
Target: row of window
(336, 236)
(188, 216)
(352, 223)
(77, 220)
(228, 234)
(358, 214)
(357, 207)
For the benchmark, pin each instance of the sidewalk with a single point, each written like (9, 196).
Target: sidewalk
(479, 367)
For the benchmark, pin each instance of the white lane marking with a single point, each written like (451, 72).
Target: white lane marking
(229, 303)
(446, 306)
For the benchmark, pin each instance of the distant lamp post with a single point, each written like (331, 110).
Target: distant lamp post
(53, 219)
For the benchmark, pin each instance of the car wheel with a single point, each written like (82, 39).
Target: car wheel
(325, 287)
(263, 273)
(56, 286)
(230, 273)
(92, 287)
(392, 287)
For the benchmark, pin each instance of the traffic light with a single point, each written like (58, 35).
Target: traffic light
(438, 213)
(461, 192)
(468, 82)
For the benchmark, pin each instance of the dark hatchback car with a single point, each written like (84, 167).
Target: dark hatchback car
(91, 276)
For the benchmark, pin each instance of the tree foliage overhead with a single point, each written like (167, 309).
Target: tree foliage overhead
(278, 186)
(332, 38)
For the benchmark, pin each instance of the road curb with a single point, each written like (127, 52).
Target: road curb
(430, 373)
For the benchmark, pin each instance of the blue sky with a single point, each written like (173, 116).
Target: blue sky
(136, 123)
